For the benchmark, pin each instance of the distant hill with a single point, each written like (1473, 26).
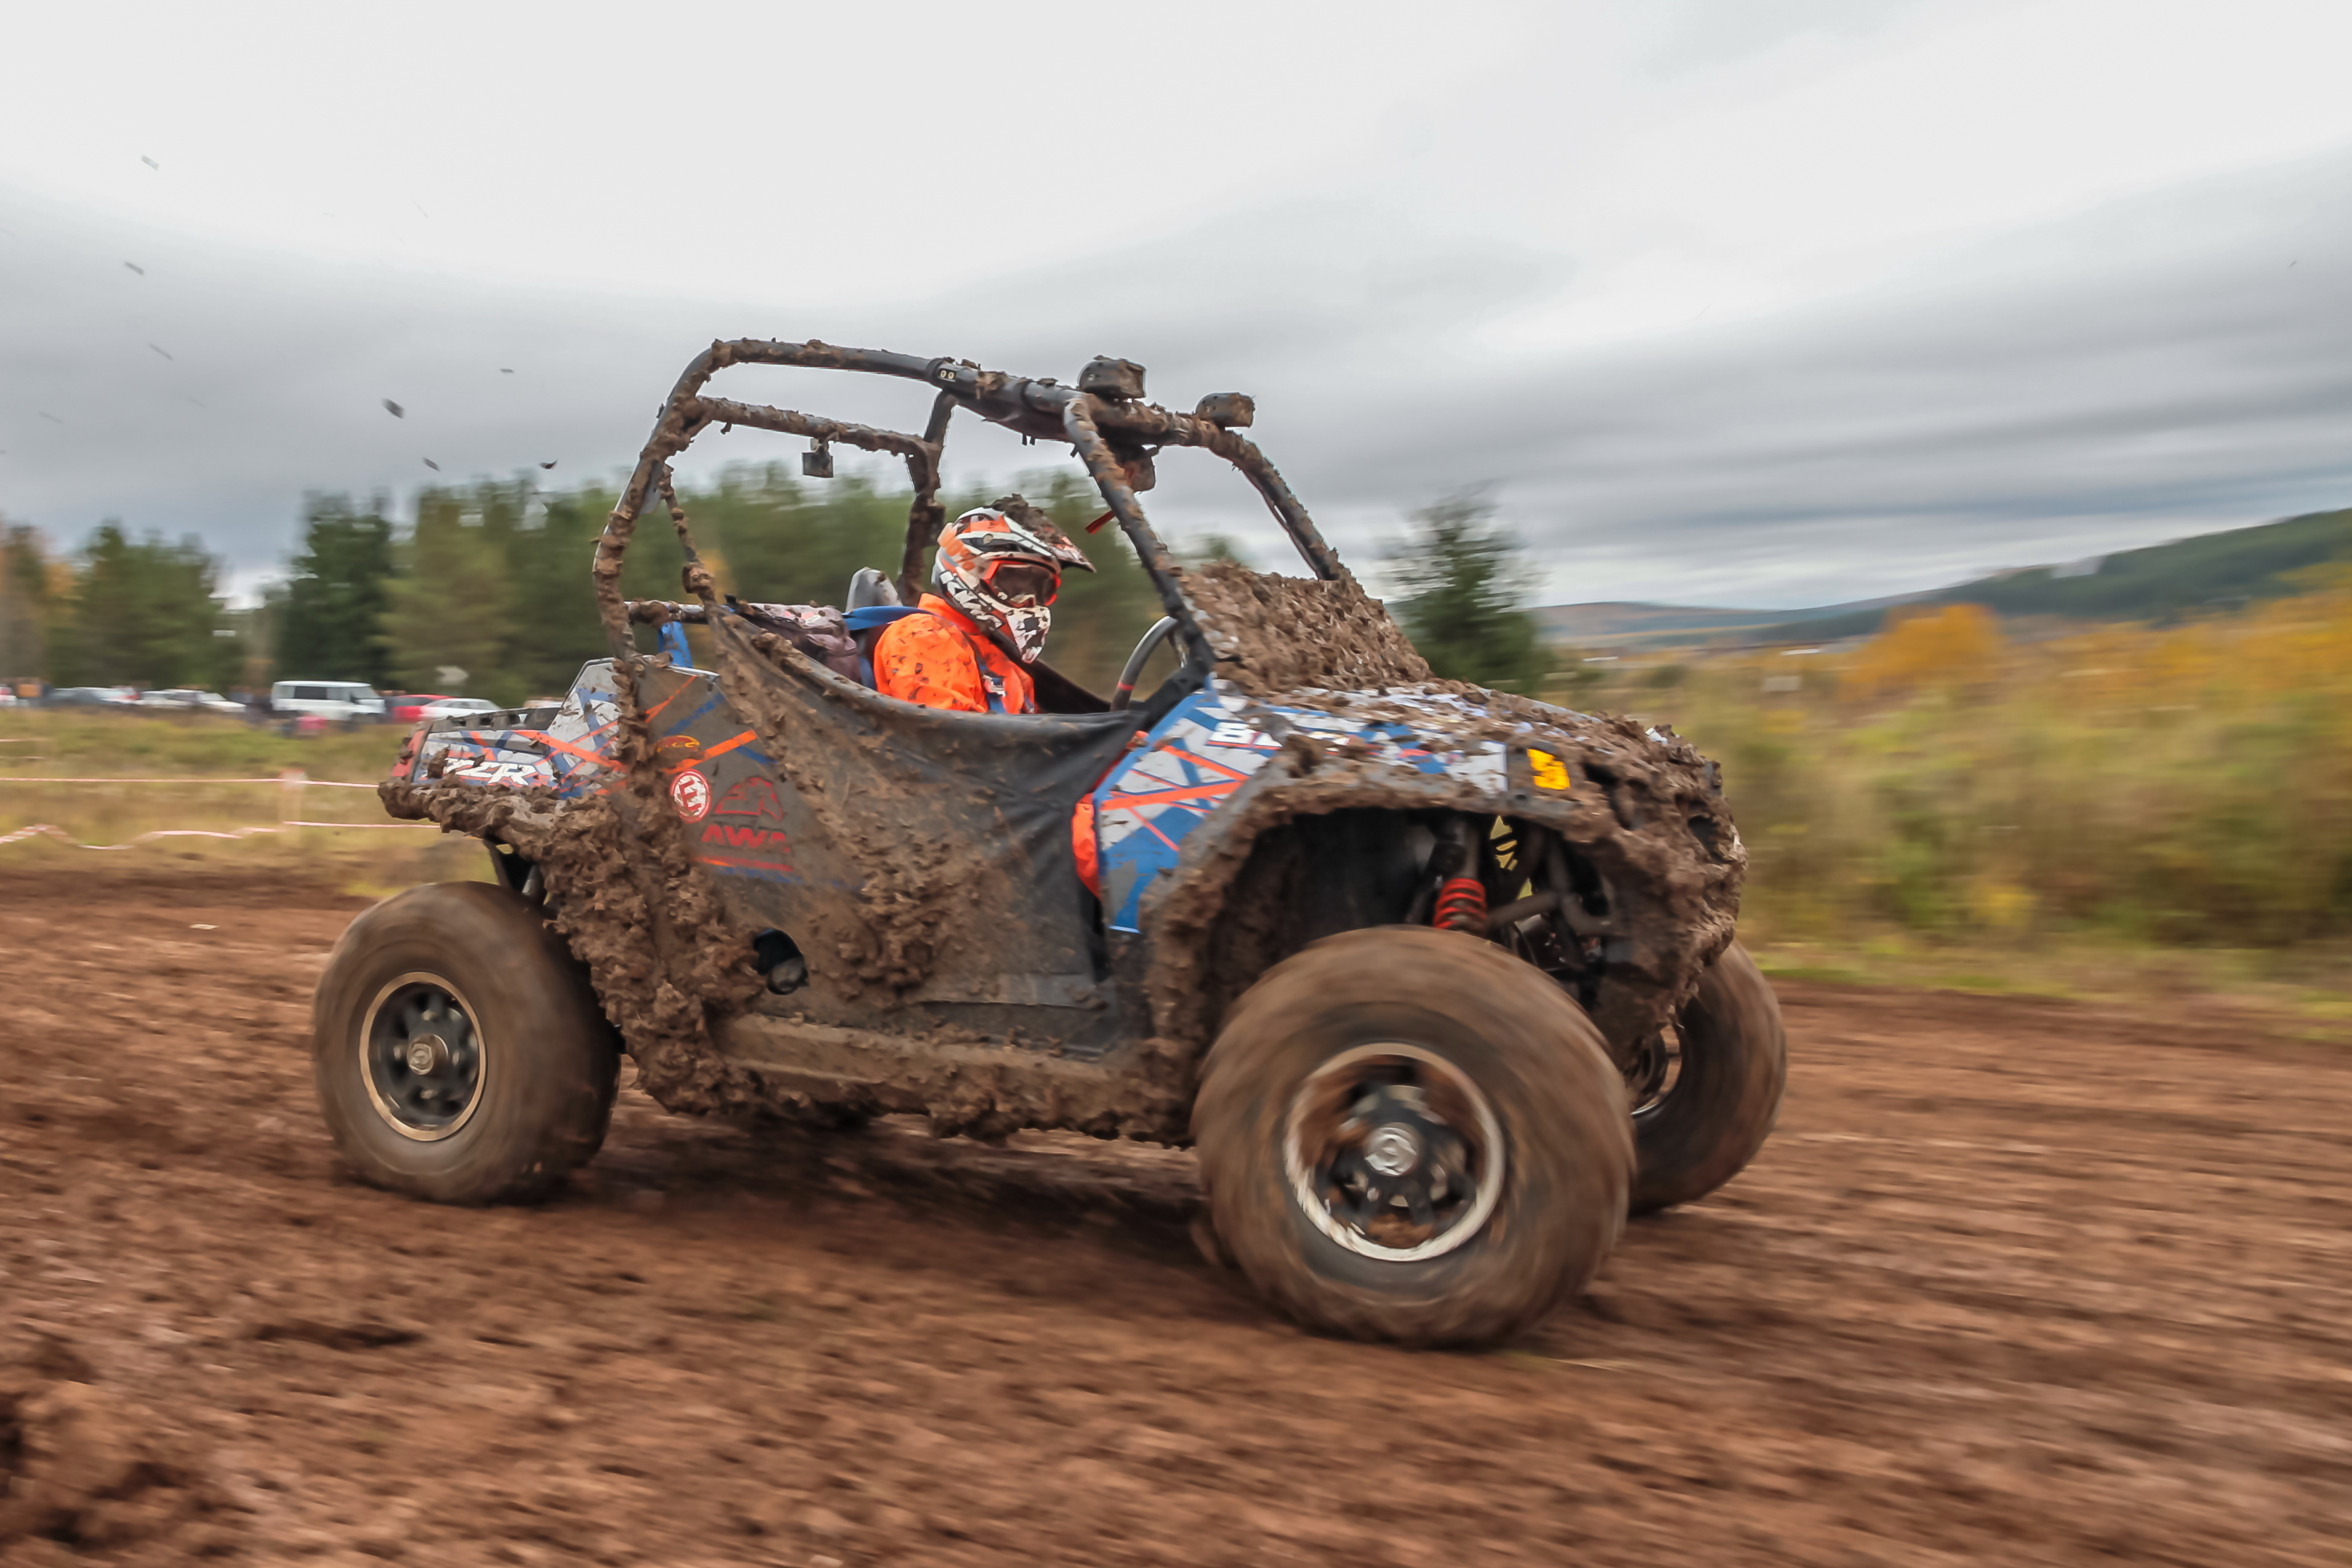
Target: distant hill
(1627, 623)
(2159, 584)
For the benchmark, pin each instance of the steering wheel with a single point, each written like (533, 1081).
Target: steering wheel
(1137, 659)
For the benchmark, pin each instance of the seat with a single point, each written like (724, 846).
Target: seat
(871, 604)
(869, 588)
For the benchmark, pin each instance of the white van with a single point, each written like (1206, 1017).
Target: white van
(337, 700)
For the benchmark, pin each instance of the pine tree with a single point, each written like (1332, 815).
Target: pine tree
(329, 622)
(26, 597)
(144, 613)
(553, 624)
(450, 605)
(1463, 578)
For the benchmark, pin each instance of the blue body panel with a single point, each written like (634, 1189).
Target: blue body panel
(1209, 746)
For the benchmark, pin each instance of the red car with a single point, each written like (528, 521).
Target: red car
(407, 707)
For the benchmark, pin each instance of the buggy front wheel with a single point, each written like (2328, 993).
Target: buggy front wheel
(1409, 1134)
(459, 1053)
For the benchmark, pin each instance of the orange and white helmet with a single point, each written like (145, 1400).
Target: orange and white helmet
(1003, 570)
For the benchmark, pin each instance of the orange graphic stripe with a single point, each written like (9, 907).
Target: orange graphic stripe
(583, 754)
(1171, 796)
(654, 712)
(1232, 773)
(728, 745)
(707, 753)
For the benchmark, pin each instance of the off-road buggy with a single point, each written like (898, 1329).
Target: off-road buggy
(1439, 982)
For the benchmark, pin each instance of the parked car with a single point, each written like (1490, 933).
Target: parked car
(188, 698)
(348, 701)
(90, 697)
(459, 707)
(407, 707)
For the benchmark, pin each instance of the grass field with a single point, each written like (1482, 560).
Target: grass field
(211, 763)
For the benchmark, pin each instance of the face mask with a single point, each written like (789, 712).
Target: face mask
(1024, 625)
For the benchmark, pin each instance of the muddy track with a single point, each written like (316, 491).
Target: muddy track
(2015, 1282)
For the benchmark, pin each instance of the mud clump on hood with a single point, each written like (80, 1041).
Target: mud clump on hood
(1274, 634)
(667, 963)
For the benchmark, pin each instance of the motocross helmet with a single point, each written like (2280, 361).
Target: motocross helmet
(1001, 565)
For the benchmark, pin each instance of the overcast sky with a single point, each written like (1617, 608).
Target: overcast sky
(1763, 302)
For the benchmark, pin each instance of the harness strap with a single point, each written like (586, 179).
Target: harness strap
(874, 617)
(865, 624)
(991, 683)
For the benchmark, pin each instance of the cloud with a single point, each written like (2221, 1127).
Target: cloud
(2151, 367)
(2147, 369)
(1690, 34)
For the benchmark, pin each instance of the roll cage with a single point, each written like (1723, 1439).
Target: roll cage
(1103, 418)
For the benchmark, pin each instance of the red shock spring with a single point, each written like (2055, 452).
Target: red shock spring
(1461, 905)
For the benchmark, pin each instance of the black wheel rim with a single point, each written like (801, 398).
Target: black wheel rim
(1654, 1072)
(420, 1056)
(1393, 1153)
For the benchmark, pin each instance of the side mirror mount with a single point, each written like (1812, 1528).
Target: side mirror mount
(1116, 380)
(1227, 411)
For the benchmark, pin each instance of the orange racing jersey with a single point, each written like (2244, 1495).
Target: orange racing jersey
(942, 659)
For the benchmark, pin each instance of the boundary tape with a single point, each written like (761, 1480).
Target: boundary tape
(56, 832)
(287, 783)
(292, 780)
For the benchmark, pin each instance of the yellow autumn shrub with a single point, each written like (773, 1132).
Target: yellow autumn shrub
(2189, 783)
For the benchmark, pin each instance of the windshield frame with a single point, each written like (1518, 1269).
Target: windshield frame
(1104, 419)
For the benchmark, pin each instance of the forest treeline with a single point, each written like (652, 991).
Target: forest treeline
(492, 579)
(2162, 583)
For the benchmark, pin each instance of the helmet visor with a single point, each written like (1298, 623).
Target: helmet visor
(1023, 584)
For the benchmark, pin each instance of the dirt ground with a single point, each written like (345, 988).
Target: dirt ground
(2014, 1282)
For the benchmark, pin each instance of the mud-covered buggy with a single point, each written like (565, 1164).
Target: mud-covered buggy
(1439, 982)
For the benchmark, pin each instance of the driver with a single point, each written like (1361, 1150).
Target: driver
(998, 573)
(970, 645)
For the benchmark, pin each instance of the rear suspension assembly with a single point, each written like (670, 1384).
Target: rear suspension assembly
(1458, 863)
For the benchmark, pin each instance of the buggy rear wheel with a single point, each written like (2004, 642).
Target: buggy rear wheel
(1409, 1134)
(459, 1053)
(1697, 1126)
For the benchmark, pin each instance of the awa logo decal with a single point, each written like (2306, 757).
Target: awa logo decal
(690, 792)
(746, 832)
